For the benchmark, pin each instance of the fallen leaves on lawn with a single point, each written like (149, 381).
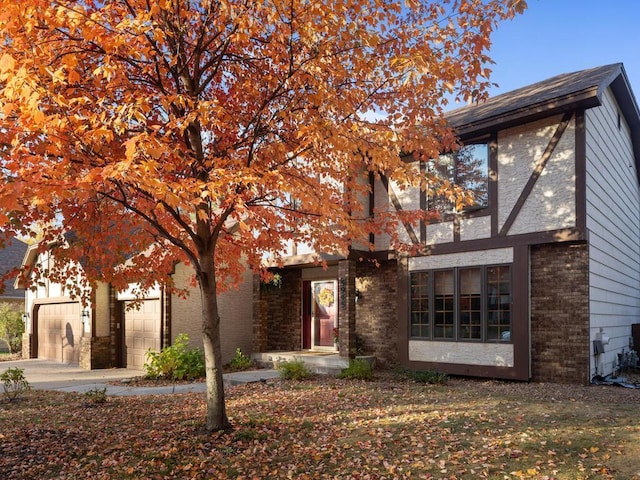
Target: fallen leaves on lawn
(322, 429)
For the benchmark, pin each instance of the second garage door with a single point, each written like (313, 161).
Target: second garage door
(142, 328)
(59, 332)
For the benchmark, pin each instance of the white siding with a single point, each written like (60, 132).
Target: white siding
(613, 225)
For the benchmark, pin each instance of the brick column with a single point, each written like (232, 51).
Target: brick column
(259, 318)
(26, 345)
(560, 313)
(347, 307)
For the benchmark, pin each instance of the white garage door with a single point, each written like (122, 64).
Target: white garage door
(59, 332)
(141, 331)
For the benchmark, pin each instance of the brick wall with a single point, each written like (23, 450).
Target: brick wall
(376, 310)
(95, 352)
(560, 313)
(277, 322)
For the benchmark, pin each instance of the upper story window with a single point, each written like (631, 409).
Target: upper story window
(467, 168)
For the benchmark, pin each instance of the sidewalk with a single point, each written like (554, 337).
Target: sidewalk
(61, 377)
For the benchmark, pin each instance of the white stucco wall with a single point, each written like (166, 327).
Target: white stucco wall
(475, 228)
(465, 259)
(551, 203)
(465, 353)
(439, 233)
(613, 225)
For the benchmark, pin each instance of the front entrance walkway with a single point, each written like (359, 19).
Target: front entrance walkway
(317, 362)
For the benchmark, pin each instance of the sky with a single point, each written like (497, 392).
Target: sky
(561, 36)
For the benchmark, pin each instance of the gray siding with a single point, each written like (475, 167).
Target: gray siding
(613, 223)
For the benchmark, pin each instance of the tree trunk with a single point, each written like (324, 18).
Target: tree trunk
(216, 418)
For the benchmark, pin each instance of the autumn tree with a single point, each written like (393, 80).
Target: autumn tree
(215, 131)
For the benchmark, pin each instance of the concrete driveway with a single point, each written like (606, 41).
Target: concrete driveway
(52, 375)
(62, 377)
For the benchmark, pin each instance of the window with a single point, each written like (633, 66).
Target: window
(470, 303)
(443, 311)
(498, 303)
(468, 168)
(464, 304)
(420, 325)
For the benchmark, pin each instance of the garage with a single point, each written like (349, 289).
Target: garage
(142, 330)
(59, 332)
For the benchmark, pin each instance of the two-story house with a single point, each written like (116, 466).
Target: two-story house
(538, 279)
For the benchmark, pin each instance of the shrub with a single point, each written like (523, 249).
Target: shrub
(294, 370)
(357, 370)
(96, 395)
(427, 376)
(240, 361)
(11, 327)
(14, 383)
(175, 362)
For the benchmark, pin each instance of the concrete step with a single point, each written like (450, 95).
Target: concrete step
(316, 362)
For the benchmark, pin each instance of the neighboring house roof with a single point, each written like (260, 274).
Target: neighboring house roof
(565, 92)
(11, 257)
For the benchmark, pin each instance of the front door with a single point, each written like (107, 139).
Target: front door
(324, 313)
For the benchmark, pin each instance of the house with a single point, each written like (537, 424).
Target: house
(115, 332)
(538, 280)
(10, 258)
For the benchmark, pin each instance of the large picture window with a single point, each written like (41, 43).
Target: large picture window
(467, 168)
(462, 304)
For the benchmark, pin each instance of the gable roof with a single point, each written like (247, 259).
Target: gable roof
(577, 90)
(11, 257)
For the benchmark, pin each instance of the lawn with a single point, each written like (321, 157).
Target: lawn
(331, 429)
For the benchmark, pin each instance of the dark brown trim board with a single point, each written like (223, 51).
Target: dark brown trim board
(493, 184)
(520, 330)
(581, 172)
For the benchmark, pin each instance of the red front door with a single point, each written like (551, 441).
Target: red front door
(324, 313)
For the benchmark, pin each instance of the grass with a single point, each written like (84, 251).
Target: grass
(388, 428)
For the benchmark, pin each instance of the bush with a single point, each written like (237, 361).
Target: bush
(176, 362)
(96, 395)
(357, 370)
(240, 361)
(294, 370)
(14, 383)
(428, 376)
(11, 327)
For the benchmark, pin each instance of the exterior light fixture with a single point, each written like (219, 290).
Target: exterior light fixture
(358, 295)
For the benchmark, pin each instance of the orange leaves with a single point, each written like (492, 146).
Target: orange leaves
(7, 65)
(326, 429)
